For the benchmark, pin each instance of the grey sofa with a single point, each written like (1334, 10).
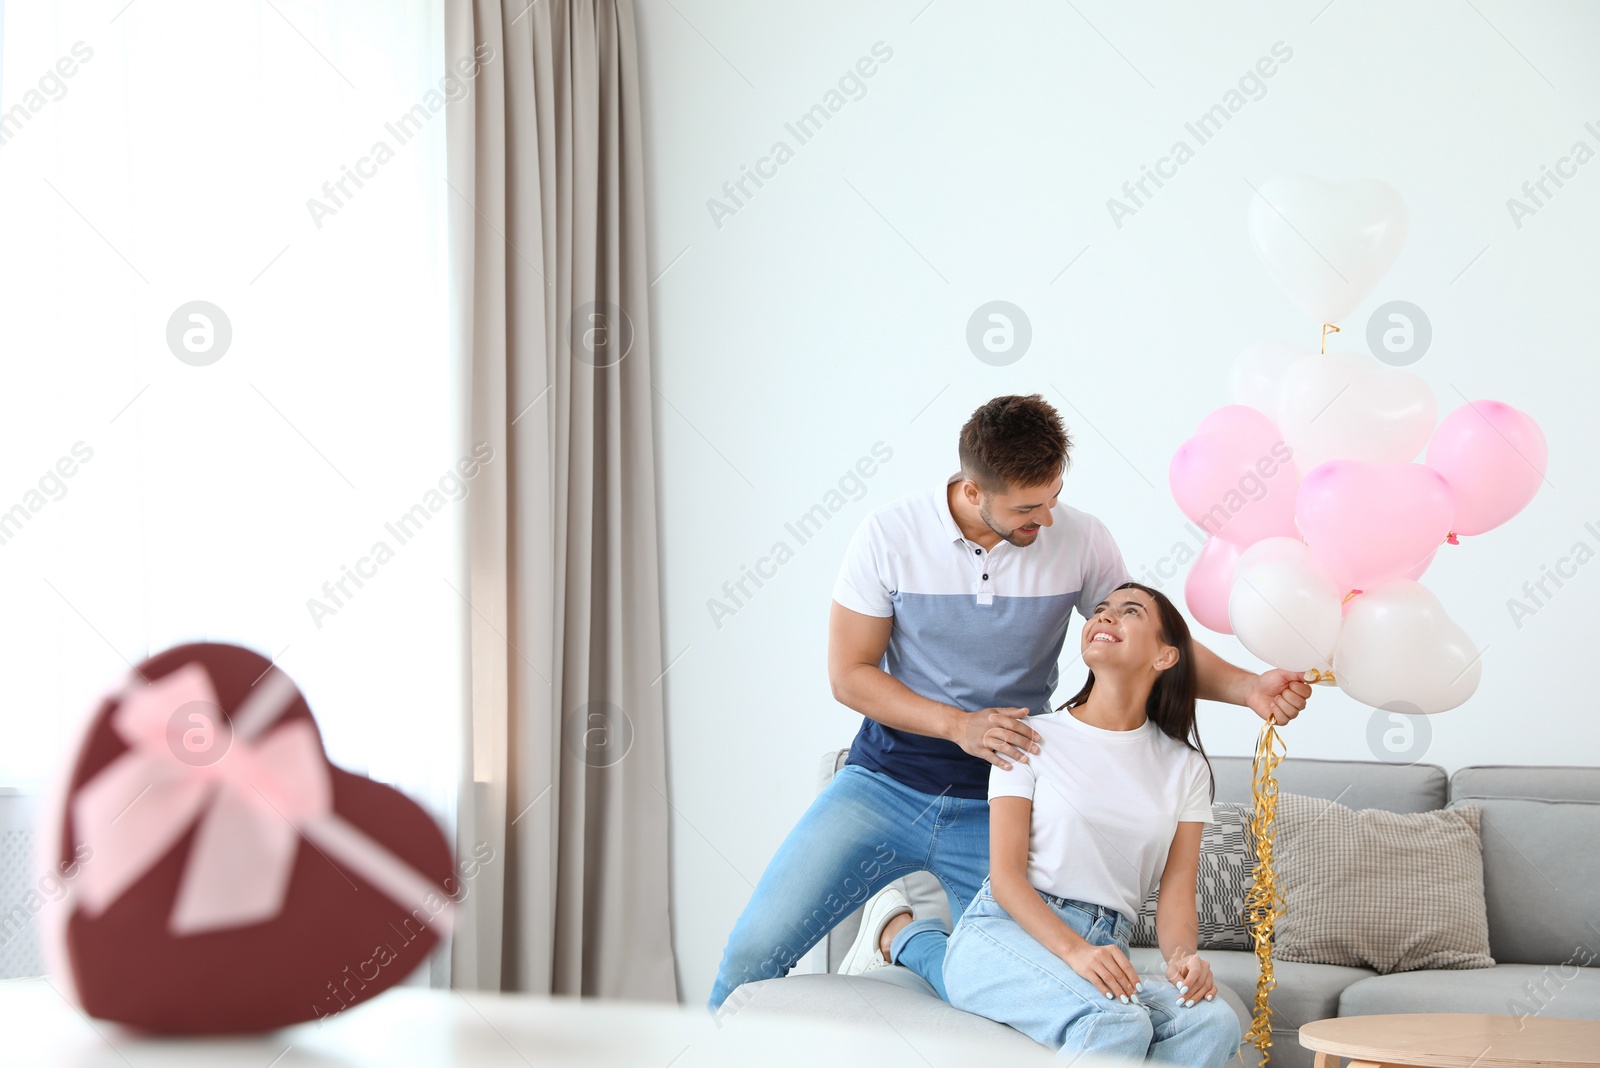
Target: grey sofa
(1541, 856)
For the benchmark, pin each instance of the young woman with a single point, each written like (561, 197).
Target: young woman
(1078, 835)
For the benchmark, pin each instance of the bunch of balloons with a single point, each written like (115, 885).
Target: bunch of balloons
(1321, 516)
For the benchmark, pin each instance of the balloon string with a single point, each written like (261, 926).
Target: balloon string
(1263, 902)
(1327, 328)
(1352, 593)
(1316, 676)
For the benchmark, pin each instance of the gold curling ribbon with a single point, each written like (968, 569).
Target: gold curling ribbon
(1327, 328)
(1263, 903)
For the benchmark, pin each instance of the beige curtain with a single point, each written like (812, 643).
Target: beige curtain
(565, 741)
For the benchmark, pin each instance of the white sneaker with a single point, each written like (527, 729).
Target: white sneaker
(864, 955)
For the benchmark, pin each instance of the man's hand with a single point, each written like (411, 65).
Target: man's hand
(996, 733)
(1277, 696)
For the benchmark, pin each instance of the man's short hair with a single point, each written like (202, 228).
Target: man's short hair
(1012, 442)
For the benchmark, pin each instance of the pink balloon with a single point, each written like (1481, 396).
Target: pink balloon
(1416, 572)
(1493, 457)
(1210, 583)
(1413, 575)
(1372, 523)
(1236, 477)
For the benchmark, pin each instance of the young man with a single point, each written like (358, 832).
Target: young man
(948, 620)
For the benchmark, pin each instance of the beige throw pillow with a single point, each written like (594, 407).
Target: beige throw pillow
(1383, 890)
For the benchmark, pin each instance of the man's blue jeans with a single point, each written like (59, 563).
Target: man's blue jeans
(862, 832)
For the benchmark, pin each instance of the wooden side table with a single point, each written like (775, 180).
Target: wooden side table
(1454, 1040)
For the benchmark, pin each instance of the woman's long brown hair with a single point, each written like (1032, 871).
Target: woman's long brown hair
(1171, 704)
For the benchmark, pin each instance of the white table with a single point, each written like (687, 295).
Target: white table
(445, 1029)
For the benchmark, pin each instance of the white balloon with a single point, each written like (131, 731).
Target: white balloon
(1400, 651)
(1258, 374)
(1285, 608)
(1268, 550)
(1327, 244)
(1340, 406)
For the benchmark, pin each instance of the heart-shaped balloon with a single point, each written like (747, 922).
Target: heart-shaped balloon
(1373, 523)
(1282, 548)
(1258, 371)
(1327, 244)
(1399, 650)
(1284, 607)
(1339, 406)
(1209, 583)
(249, 884)
(1417, 572)
(1370, 524)
(1494, 458)
(1233, 477)
(1414, 574)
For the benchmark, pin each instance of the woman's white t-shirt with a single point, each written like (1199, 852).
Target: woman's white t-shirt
(1105, 807)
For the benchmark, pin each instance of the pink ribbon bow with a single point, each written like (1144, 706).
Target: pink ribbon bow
(253, 802)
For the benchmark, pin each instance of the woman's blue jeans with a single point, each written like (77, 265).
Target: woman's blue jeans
(862, 832)
(996, 969)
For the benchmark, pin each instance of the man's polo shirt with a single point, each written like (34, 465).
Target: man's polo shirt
(973, 628)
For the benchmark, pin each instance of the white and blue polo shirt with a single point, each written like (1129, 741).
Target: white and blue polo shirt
(973, 627)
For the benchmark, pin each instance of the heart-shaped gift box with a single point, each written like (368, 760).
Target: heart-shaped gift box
(224, 876)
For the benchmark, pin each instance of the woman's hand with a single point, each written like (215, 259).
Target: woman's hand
(1107, 968)
(1192, 976)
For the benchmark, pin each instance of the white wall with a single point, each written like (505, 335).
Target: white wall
(830, 312)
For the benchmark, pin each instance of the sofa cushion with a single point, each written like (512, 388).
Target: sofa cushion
(1540, 871)
(1227, 858)
(1354, 783)
(870, 999)
(1550, 783)
(1560, 990)
(1305, 992)
(899, 998)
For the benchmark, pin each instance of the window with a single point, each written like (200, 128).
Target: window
(227, 470)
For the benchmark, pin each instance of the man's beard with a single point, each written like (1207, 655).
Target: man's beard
(988, 521)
